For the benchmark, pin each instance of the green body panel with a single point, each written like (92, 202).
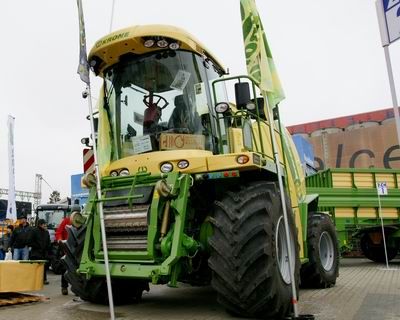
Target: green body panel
(143, 264)
(350, 196)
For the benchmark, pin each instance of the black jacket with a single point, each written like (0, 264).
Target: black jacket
(21, 237)
(40, 244)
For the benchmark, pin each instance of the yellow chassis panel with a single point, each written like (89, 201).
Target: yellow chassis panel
(16, 276)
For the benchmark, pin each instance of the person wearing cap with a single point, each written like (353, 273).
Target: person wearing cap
(40, 245)
(21, 240)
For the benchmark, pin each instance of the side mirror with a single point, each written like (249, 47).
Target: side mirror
(242, 94)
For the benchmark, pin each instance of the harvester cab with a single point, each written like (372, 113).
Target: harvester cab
(189, 181)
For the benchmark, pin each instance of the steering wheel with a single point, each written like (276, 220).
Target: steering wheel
(155, 100)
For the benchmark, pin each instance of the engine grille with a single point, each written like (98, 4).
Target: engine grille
(126, 228)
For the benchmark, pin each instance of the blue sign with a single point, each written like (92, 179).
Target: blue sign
(391, 10)
(77, 192)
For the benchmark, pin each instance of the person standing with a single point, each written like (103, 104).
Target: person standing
(61, 236)
(5, 240)
(20, 240)
(40, 245)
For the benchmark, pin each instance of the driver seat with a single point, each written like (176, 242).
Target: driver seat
(184, 117)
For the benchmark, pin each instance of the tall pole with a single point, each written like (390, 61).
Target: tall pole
(100, 207)
(383, 230)
(393, 91)
(386, 41)
(83, 71)
(112, 15)
(291, 252)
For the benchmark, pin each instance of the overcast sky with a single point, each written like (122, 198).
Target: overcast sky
(328, 56)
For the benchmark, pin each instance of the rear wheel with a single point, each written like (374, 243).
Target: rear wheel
(249, 255)
(376, 252)
(322, 268)
(95, 289)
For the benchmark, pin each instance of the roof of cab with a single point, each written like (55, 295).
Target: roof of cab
(108, 49)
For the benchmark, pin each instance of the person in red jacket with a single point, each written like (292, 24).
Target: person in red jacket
(61, 236)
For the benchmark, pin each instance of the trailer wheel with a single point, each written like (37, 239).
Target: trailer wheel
(249, 255)
(95, 289)
(322, 268)
(375, 252)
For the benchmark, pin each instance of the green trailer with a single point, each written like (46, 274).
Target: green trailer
(351, 198)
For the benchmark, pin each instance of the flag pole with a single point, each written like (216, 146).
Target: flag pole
(261, 68)
(112, 15)
(283, 203)
(100, 207)
(83, 71)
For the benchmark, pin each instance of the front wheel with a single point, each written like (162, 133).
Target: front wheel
(322, 268)
(95, 289)
(249, 253)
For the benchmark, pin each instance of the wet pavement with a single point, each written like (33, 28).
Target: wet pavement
(364, 290)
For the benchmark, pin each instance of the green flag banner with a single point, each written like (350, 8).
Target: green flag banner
(260, 64)
(104, 142)
(261, 67)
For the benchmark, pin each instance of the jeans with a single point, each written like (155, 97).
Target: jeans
(2, 254)
(21, 253)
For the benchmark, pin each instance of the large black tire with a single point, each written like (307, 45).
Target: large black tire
(249, 256)
(375, 252)
(322, 268)
(95, 289)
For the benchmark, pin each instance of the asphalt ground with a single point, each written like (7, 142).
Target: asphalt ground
(364, 291)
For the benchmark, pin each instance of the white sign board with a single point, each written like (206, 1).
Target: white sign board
(382, 189)
(389, 20)
(141, 144)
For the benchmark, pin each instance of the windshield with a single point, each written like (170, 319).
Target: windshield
(159, 101)
(52, 218)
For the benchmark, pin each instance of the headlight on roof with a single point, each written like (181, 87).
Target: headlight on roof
(149, 43)
(174, 45)
(162, 43)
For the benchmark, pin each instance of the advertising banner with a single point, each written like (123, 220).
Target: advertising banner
(369, 147)
(11, 207)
